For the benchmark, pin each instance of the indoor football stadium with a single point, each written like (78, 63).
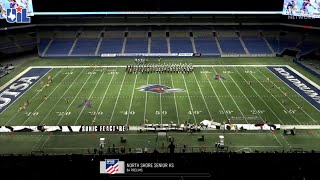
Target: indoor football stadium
(131, 80)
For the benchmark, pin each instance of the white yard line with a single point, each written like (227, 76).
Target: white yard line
(252, 105)
(260, 97)
(75, 97)
(194, 117)
(288, 96)
(40, 137)
(134, 87)
(62, 96)
(32, 97)
(175, 101)
(47, 97)
(89, 98)
(15, 78)
(115, 105)
(232, 98)
(160, 102)
(204, 100)
(214, 91)
(145, 103)
(303, 77)
(45, 142)
(273, 96)
(105, 93)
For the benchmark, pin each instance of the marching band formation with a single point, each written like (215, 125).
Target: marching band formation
(160, 68)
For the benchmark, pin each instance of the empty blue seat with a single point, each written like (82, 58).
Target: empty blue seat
(111, 45)
(43, 44)
(256, 45)
(86, 46)
(231, 45)
(60, 47)
(206, 45)
(137, 45)
(181, 45)
(159, 45)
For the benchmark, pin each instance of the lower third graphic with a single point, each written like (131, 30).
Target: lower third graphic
(112, 166)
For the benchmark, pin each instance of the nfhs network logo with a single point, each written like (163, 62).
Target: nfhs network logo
(112, 166)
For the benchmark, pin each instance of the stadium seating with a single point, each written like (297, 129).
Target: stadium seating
(231, 45)
(136, 45)
(85, 46)
(206, 45)
(207, 40)
(60, 46)
(256, 45)
(180, 45)
(43, 43)
(159, 45)
(111, 45)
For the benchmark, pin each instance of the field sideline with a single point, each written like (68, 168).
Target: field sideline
(116, 100)
(267, 99)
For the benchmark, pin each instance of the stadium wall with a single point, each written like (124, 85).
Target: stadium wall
(178, 55)
(306, 68)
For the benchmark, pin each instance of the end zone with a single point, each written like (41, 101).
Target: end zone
(301, 85)
(14, 89)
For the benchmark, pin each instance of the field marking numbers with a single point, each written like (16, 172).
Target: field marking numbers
(75, 97)
(194, 117)
(145, 103)
(160, 102)
(48, 96)
(134, 87)
(104, 96)
(114, 107)
(89, 97)
(272, 95)
(259, 97)
(25, 92)
(215, 94)
(202, 95)
(63, 113)
(232, 98)
(61, 97)
(288, 96)
(175, 101)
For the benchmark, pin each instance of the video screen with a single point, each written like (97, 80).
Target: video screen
(14, 4)
(303, 8)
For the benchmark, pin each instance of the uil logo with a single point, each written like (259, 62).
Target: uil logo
(17, 15)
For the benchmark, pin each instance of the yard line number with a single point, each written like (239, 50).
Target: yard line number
(128, 112)
(225, 112)
(257, 111)
(63, 113)
(159, 112)
(32, 114)
(96, 113)
(290, 111)
(194, 112)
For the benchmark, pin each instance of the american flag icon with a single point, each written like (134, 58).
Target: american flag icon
(112, 166)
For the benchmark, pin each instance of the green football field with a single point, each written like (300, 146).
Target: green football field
(100, 92)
